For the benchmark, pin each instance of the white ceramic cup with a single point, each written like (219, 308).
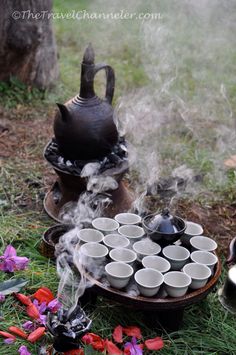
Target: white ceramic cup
(132, 232)
(118, 274)
(176, 283)
(124, 255)
(148, 281)
(156, 262)
(204, 257)
(177, 256)
(203, 243)
(146, 247)
(199, 274)
(192, 230)
(105, 225)
(87, 235)
(128, 218)
(94, 250)
(115, 241)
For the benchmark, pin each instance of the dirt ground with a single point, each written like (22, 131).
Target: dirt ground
(23, 140)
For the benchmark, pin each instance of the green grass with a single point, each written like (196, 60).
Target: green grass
(15, 92)
(207, 328)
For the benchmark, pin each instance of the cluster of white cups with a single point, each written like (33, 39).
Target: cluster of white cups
(177, 270)
(117, 236)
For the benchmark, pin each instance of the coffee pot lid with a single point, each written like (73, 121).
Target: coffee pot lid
(163, 222)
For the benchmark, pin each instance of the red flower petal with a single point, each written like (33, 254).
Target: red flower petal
(133, 332)
(90, 337)
(94, 340)
(44, 295)
(23, 299)
(98, 345)
(32, 311)
(36, 334)
(18, 331)
(87, 339)
(154, 344)
(118, 334)
(7, 335)
(75, 352)
(111, 348)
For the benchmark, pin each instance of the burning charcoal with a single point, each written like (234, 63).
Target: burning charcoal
(68, 163)
(54, 149)
(60, 160)
(69, 334)
(68, 327)
(75, 322)
(123, 148)
(76, 166)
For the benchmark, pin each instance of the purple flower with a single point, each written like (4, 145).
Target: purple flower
(10, 262)
(2, 298)
(54, 305)
(9, 341)
(42, 319)
(30, 326)
(23, 350)
(133, 347)
(40, 307)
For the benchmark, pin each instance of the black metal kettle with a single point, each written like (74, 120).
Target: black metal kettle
(84, 127)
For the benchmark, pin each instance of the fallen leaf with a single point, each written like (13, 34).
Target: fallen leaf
(11, 286)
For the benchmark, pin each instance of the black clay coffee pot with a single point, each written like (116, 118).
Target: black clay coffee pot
(84, 127)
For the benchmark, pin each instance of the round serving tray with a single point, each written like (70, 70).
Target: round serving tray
(152, 303)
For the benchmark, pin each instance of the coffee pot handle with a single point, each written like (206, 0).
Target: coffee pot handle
(110, 80)
(231, 259)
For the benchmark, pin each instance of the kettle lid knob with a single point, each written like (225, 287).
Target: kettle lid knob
(89, 55)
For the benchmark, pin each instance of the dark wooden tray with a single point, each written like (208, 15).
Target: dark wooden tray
(165, 311)
(158, 312)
